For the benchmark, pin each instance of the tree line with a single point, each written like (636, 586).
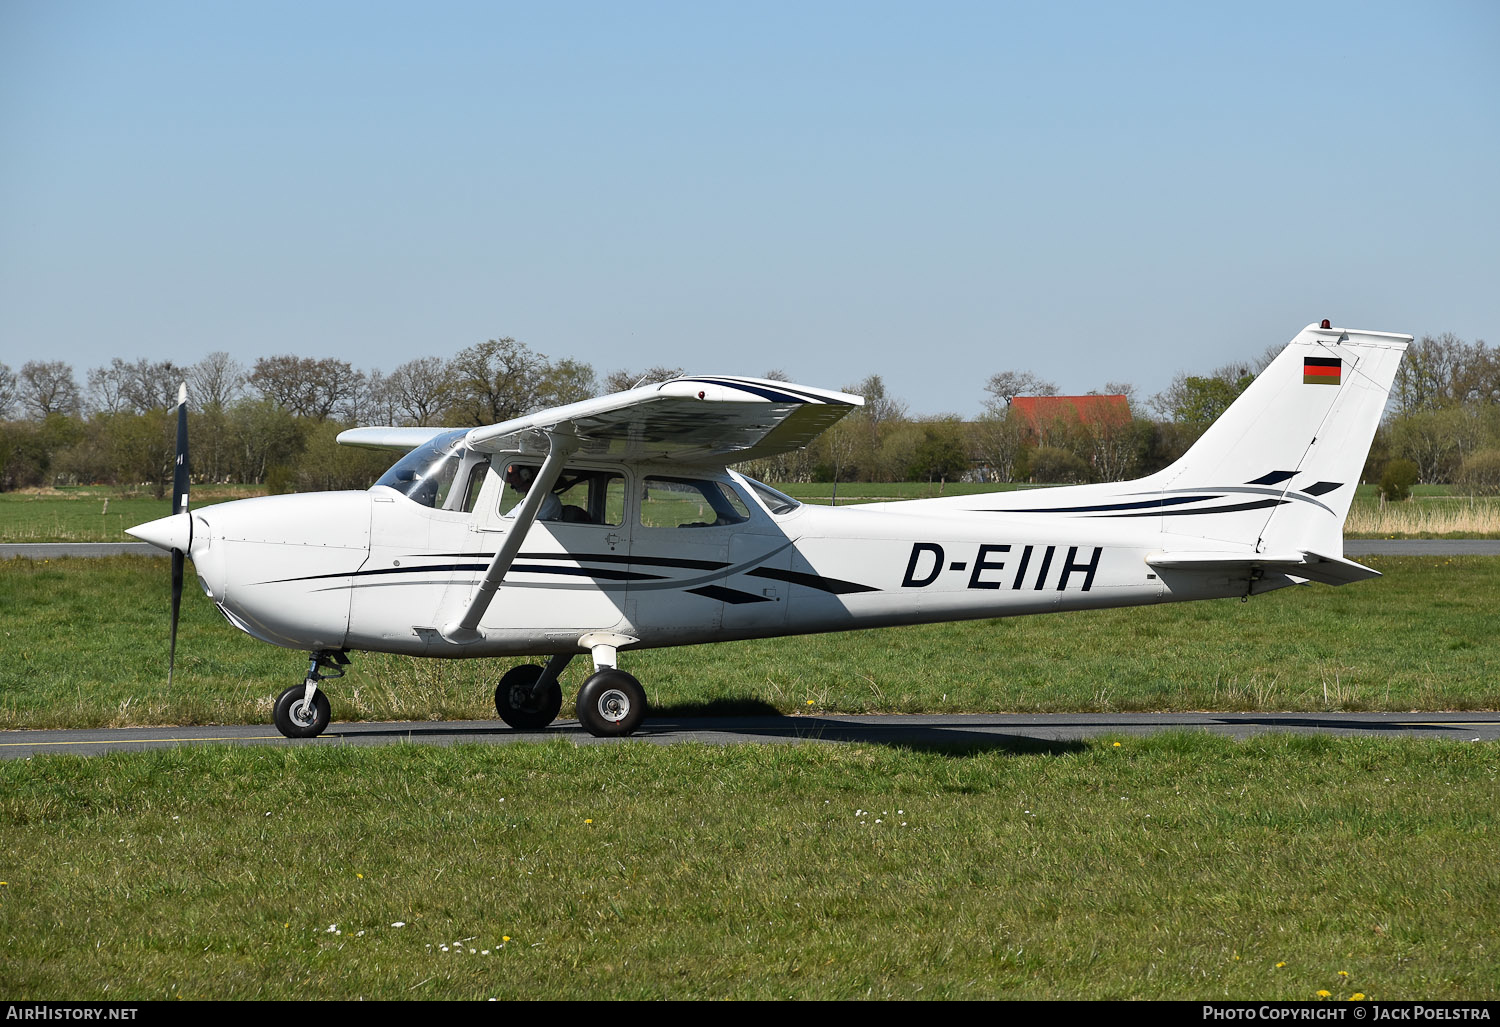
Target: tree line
(274, 422)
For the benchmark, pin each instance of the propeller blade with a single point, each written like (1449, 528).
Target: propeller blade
(179, 505)
(180, 473)
(177, 561)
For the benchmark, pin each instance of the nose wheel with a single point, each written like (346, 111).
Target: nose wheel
(297, 716)
(302, 711)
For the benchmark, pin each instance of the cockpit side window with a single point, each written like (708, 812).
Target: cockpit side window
(580, 496)
(477, 471)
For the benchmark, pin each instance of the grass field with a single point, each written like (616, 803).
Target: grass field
(94, 513)
(1181, 866)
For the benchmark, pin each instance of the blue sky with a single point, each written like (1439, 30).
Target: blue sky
(932, 192)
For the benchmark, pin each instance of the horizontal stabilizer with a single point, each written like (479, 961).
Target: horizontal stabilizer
(1330, 570)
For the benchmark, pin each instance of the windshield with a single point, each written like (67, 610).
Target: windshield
(426, 473)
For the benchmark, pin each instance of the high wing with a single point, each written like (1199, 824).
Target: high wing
(688, 420)
(702, 418)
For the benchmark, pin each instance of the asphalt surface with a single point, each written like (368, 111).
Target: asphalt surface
(1353, 548)
(983, 730)
(54, 550)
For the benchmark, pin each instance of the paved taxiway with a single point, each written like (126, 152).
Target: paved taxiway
(921, 730)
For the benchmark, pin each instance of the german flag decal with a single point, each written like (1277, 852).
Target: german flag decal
(1321, 370)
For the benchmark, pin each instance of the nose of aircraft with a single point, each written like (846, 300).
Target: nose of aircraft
(174, 532)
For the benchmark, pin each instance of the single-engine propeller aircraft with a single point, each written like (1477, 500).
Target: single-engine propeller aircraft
(616, 523)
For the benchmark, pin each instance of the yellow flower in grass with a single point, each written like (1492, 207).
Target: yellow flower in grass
(1324, 993)
(1358, 996)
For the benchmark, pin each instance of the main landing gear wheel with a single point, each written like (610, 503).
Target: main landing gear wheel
(518, 704)
(611, 704)
(297, 718)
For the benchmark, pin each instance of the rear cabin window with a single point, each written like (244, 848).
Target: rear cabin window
(690, 503)
(776, 502)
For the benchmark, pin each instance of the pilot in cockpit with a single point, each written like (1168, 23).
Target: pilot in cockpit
(520, 477)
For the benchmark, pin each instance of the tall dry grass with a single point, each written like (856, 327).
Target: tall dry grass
(1425, 517)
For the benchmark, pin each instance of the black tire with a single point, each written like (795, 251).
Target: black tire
(516, 704)
(611, 704)
(295, 719)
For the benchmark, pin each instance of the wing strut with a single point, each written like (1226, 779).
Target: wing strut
(561, 442)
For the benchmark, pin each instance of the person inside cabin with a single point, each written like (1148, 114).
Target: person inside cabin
(520, 477)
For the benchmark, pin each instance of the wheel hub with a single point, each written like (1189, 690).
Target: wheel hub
(614, 705)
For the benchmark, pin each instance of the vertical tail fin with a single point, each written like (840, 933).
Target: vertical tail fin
(1282, 462)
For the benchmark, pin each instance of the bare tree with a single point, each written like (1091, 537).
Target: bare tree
(134, 388)
(380, 399)
(880, 406)
(1125, 389)
(996, 440)
(352, 406)
(1479, 382)
(494, 381)
(418, 390)
(340, 389)
(1005, 386)
(152, 384)
(305, 386)
(625, 379)
(565, 381)
(215, 381)
(107, 387)
(1116, 440)
(8, 391)
(1426, 376)
(283, 380)
(48, 387)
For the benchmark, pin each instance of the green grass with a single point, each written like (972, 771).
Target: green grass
(94, 513)
(1181, 866)
(85, 643)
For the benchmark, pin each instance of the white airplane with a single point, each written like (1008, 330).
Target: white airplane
(616, 523)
